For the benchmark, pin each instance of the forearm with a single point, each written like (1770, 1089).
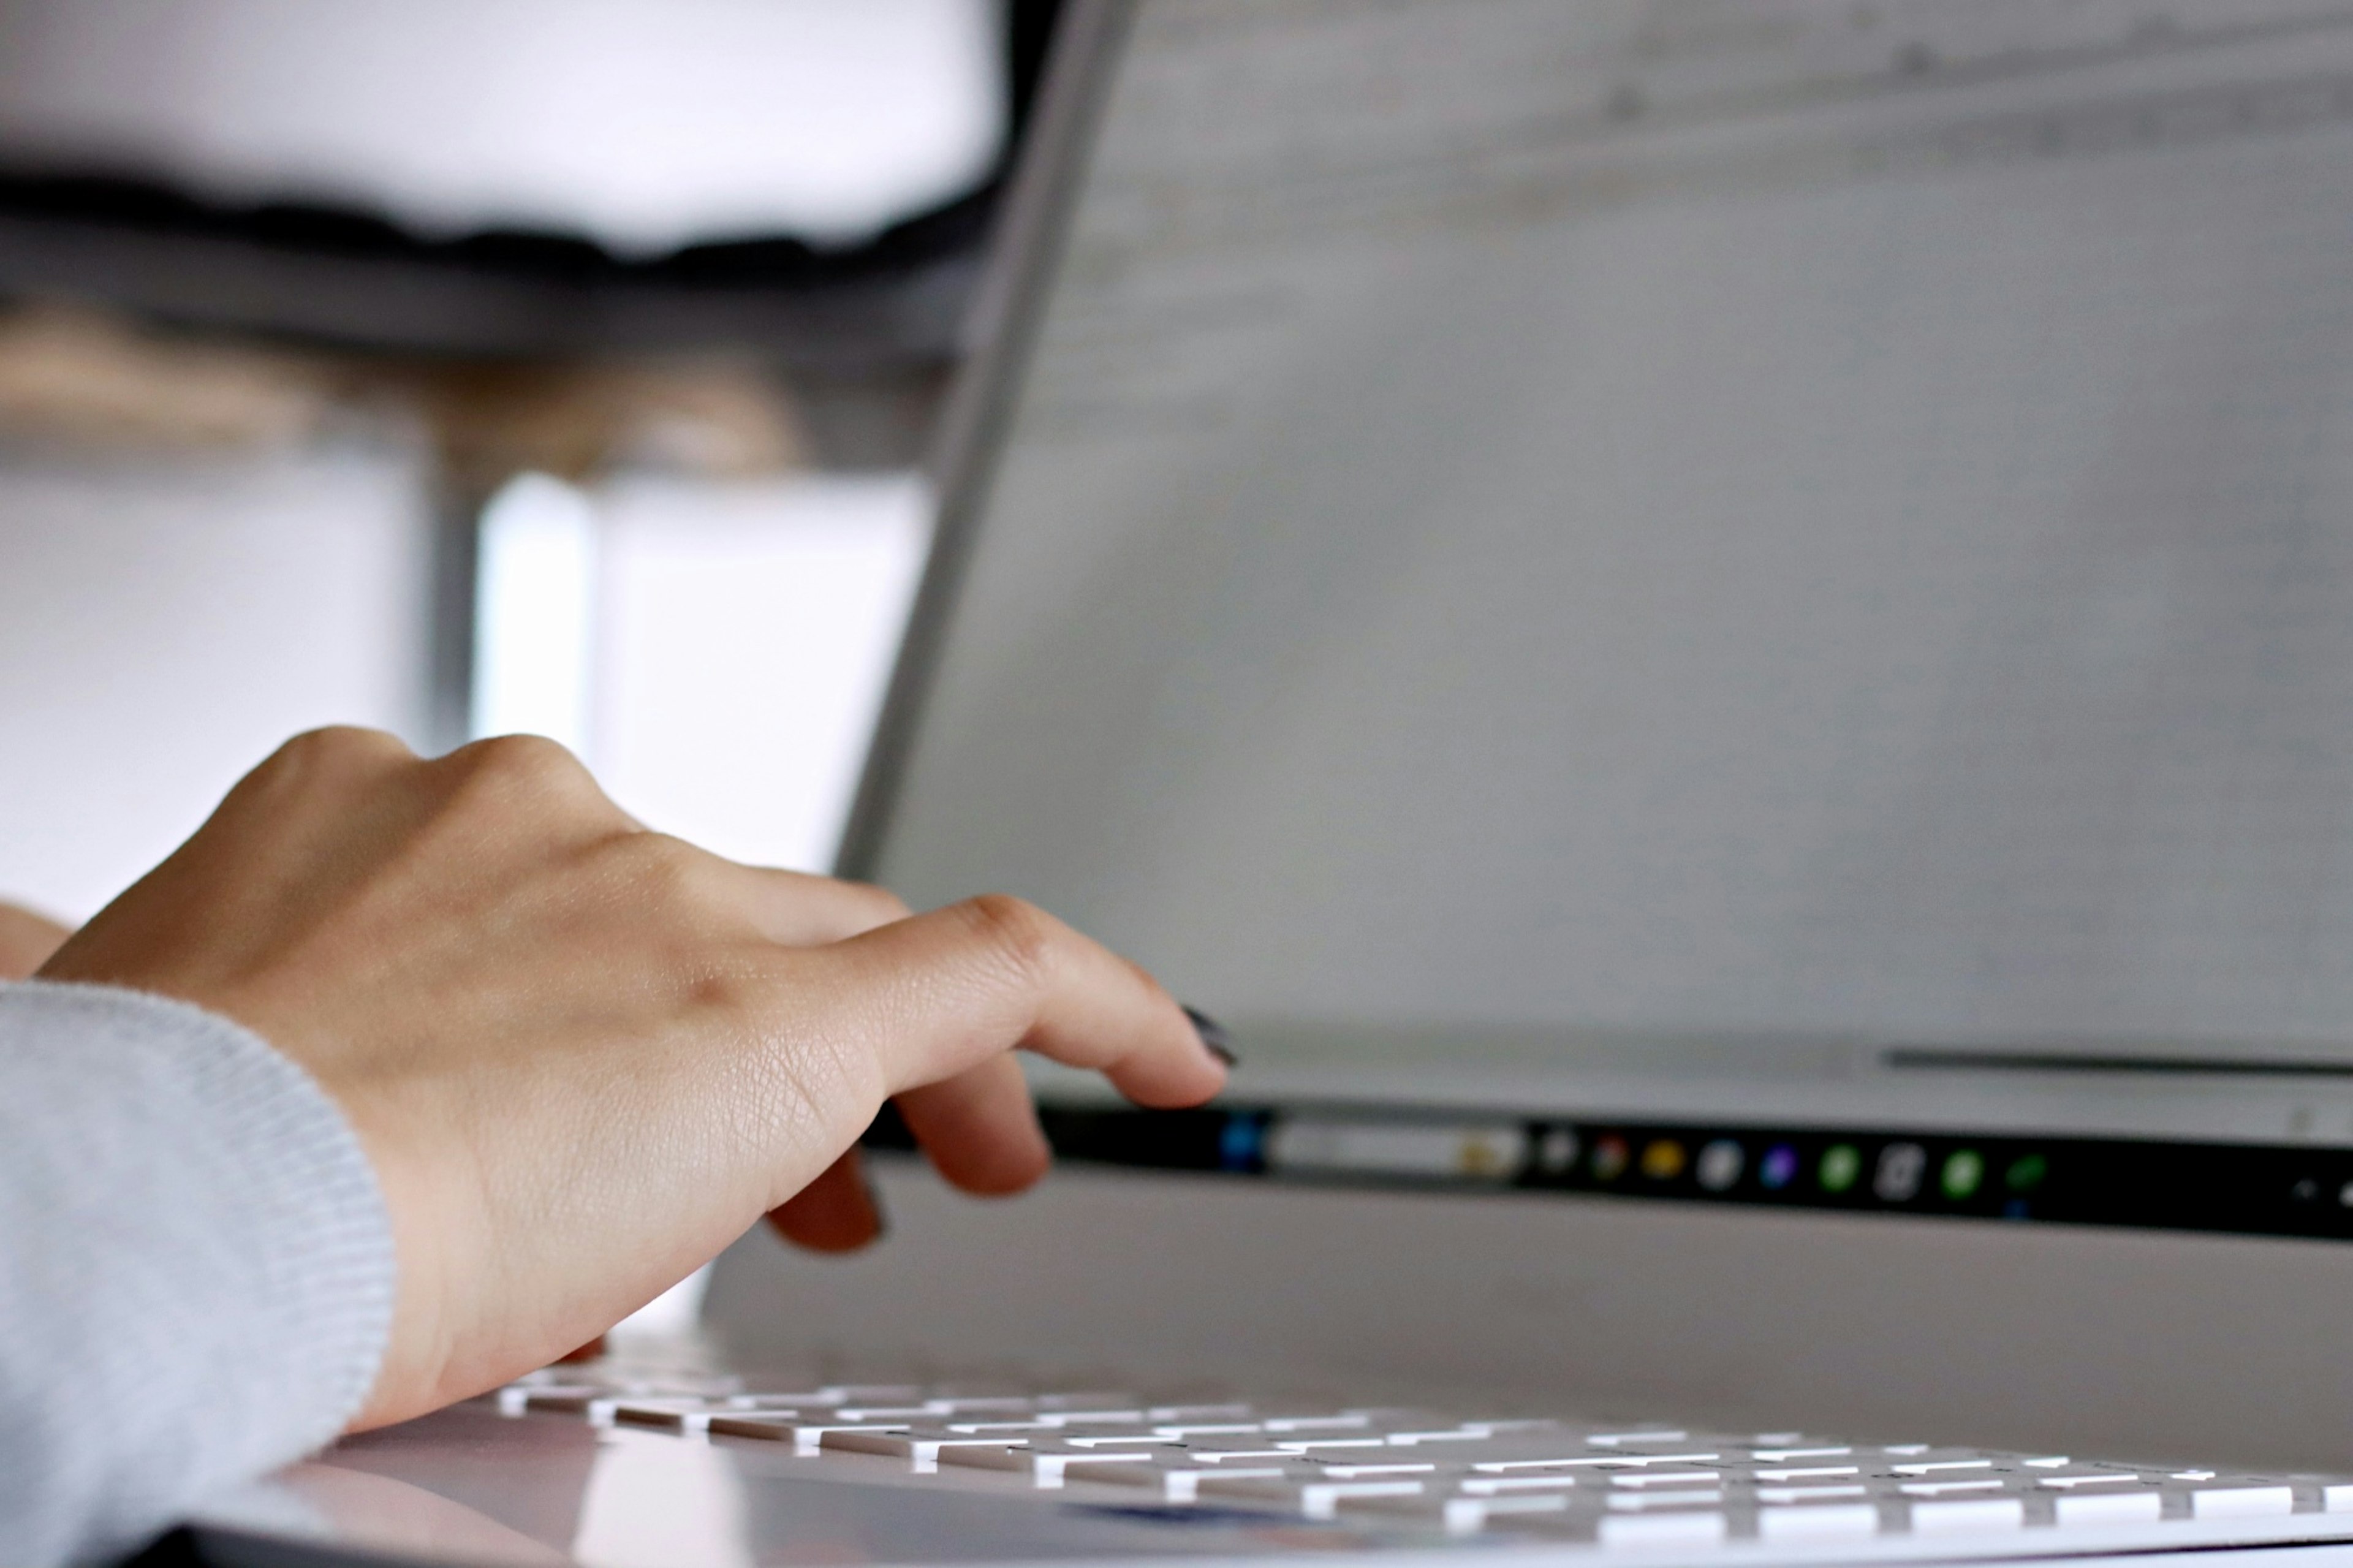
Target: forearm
(195, 1269)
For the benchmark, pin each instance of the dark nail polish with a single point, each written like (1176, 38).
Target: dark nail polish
(1213, 1034)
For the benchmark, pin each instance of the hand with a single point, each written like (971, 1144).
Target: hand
(26, 940)
(582, 1057)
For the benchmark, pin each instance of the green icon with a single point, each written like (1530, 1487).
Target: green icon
(2026, 1173)
(1963, 1169)
(1841, 1164)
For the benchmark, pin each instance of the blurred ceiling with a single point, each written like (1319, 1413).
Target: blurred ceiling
(642, 126)
(806, 181)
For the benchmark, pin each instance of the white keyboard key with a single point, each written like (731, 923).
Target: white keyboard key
(556, 1398)
(1003, 1428)
(806, 1436)
(1355, 1472)
(1958, 1514)
(1815, 1520)
(1310, 1500)
(1464, 1433)
(1938, 1467)
(1469, 1516)
(1809, 1494)
(2108, 1508)
(922, 1450)
(1047, 1467)
(1657, 1502)
(1325, 1445)
(1178, 1483)
(1946, 1488)
(1660, 1529)
(2080, 1483)
(2337, 1499)
(868, 1393)
(1783, 1456)
(1654, 1479)
(1602, 1462)
(1469, 1448)
(1635, 1439)
(669, 1411)
(829, 1398)
(1499, 1486)
(700, 1420)
(2238, 1502)
(1811, 1472)
(983, 1405)
(1465, 1516)
(1186, 1430)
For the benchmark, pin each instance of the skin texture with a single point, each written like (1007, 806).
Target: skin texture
(584, 1057)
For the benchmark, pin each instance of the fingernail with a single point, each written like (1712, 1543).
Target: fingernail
(1213, 1036)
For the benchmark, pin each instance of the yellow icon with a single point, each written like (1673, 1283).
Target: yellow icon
(1663, 1160)
(1482, 1154)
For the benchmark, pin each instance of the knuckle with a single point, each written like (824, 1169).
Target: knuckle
(523, 774)
(659, 872)
(525, 759)
(1017, 935)
(330, 755)
(339, 743)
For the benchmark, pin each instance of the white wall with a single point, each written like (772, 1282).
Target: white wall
(716, 652)
(165, 623)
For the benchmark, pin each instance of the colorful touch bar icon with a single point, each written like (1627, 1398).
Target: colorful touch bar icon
(1989, 1177)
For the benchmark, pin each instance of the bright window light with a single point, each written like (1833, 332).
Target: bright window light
(748, 633)
(535, 613)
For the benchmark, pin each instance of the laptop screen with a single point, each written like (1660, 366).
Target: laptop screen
(1767, 574)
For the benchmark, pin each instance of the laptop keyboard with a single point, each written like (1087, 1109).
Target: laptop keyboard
(1462, 1475)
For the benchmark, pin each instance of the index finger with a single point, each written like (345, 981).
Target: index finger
(959, 985)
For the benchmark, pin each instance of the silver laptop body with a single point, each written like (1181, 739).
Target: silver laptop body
(1723, 635)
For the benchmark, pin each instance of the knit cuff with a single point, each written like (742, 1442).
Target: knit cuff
(200, 1278)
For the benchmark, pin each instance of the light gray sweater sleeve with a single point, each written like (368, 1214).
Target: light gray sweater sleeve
(196, 1265)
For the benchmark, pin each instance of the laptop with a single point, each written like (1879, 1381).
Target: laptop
(1722, 635)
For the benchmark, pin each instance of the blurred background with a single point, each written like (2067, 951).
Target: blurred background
(468, 366)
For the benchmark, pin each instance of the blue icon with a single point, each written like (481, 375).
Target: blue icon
(1779, 1166)
(1240, 1146)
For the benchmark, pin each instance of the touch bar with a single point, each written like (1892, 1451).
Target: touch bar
(2252, 1189)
